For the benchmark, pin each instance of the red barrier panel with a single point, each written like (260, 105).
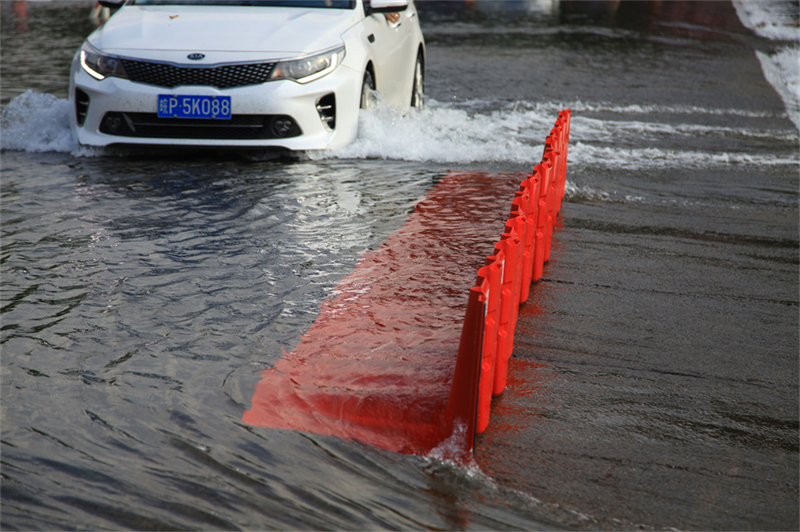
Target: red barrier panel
(509, 305)
(462, 405)
(563, 121)
(520, 207)
(516, 224)
(563, 125)
(554, 144)
(544, 171)
(532, 184)
(493, 273)
(552, 158)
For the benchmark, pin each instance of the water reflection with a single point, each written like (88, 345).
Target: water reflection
(689, 19)
(37, 42)
(21, 16)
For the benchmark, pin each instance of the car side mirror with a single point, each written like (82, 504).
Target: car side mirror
(386, 6)
(112, 4)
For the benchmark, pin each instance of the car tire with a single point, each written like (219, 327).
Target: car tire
(368, 98)
(418, 86)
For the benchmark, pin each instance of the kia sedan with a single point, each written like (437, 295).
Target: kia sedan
(289, 74)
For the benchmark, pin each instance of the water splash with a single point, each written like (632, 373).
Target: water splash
(772, 20)
(466, 132)
(583, 154)
(451, 450)
(444, 135)
(36, 122)
(777, 21)
(782, 70)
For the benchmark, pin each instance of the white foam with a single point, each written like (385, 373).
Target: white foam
(646, 109)
(443, 135)
(516, 133)
(778, 21)
(649, 158)
(451, 452)
(782, 70)
(573, 192)
(547, 110)
(592, 129)
(37, 122)
(770, 19)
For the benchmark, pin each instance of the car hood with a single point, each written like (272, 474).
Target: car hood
(272, 32)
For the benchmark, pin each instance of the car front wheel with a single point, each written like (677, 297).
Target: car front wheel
(418, 88)
(368, 91)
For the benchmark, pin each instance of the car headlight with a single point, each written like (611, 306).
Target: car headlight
(308, 68)
(100, 65)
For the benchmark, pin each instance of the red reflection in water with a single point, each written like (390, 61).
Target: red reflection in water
(520, 411)
(377, 364)
(21, 16)
(510, 415)
(515, 410)
(692, 19)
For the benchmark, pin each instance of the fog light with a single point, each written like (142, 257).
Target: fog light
(113, 123)
(282, 127)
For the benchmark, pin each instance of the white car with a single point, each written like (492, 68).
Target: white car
(289, 74)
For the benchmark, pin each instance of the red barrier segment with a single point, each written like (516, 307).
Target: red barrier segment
(463, 411)
(509, 304)
(552, 159)
(520, 208)
(561, 125)
(563, 122)
(493, 273)
(527, 242)
(543, 170)
(532, 185)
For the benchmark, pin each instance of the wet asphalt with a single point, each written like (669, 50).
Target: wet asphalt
(656, 363)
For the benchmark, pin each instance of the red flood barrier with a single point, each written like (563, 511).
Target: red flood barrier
(378, 364)
(487, 337)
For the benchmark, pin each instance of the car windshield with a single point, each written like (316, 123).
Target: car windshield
(332, 4)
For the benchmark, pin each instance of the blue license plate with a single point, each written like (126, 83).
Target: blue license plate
(187, 106)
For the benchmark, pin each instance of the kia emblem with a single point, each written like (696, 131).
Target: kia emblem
(196, 56)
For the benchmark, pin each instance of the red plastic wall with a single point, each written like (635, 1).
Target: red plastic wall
(487, 338)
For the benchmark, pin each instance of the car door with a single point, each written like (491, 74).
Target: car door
(394, 55)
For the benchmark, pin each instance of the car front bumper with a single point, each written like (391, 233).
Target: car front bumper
(120, 111)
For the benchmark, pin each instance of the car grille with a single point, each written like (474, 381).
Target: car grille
(221, 76)
(239, 127)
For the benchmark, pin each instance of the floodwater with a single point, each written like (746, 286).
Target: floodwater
(654, 382)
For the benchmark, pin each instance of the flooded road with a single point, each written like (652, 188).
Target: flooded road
(655, 375)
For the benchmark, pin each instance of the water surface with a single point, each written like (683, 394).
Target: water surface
(655, 378)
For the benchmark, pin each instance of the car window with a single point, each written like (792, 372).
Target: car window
(332, 4)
